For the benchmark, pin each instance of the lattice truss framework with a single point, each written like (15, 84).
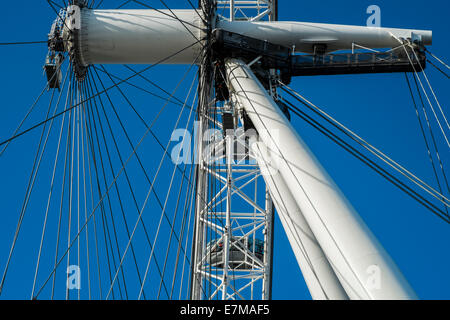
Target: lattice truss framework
(233, 245)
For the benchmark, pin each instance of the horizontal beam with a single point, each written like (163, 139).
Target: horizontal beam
(148, 36)
(305, 36)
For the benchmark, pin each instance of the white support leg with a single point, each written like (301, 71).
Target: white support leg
(363, 267)
(317, 271)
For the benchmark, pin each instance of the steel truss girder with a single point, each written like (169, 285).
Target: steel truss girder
(238, 183)
(251, 10)
(248, 213)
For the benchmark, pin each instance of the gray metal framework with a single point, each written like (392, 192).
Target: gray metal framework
(233, 242)
(253, 10)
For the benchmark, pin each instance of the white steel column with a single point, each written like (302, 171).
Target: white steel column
(317, 271)
(363, 267)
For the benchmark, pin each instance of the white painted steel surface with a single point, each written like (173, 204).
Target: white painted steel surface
(139, 36)
(363, 267)
(304, 35)
(317, 271)
(149, 36)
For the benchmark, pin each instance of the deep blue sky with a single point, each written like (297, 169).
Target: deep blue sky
(377, 107)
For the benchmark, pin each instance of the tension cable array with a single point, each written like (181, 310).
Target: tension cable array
(440, 60)
(443, 214)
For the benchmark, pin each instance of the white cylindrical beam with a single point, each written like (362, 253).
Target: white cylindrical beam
(317, 271)
(148, 36)
(363, 267)
(139, 36)
(304, 35)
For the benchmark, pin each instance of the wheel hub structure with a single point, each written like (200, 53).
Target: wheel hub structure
(248, 162)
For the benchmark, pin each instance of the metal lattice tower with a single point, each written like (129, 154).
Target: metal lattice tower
(233, 246)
